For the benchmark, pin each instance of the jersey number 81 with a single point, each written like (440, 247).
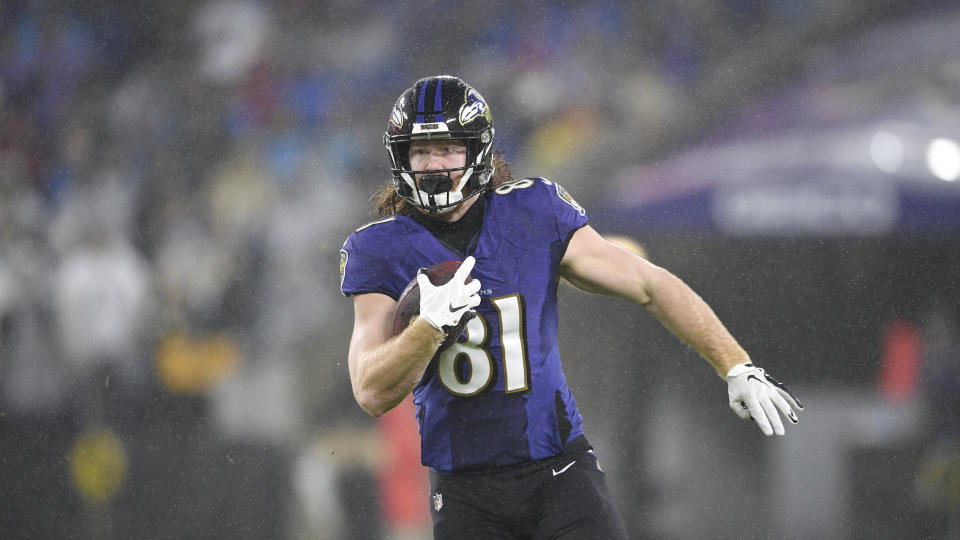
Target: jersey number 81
(479, 362)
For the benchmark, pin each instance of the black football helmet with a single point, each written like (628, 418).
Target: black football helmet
(440, 107)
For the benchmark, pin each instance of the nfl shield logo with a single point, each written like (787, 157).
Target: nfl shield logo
(437, 501)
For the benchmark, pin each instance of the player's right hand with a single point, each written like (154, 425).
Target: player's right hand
(757, 396)
(444, 306)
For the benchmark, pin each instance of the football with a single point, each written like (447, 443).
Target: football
(408, 304)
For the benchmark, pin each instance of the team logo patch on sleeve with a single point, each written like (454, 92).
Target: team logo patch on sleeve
(567, 198)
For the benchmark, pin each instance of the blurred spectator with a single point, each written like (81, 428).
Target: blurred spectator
(102, 300)
(233, 34)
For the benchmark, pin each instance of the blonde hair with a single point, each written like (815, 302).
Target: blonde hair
(386, 201)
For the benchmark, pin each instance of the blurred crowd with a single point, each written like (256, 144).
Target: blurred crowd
(176, 180)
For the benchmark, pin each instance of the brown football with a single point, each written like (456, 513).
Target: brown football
(408, 304)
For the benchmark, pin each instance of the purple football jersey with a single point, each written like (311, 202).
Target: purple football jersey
(497, 397)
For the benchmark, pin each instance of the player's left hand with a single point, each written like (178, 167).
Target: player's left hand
(445, 306)
(757, 396)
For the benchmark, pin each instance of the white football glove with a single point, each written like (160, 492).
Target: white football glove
(757, 396)
(445, 305)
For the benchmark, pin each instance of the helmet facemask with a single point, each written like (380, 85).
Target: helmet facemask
(435, 192)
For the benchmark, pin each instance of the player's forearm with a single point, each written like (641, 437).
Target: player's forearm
(685, 314)
(388, 373)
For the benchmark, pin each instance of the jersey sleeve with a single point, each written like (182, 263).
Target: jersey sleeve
(362, 273)
(569, 214)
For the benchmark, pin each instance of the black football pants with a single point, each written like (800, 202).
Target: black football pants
(565, 496)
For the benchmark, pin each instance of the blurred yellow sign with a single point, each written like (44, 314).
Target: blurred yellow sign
(190, 365)
(98, 465)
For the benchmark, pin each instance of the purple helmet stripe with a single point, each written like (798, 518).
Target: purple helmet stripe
(436, 103)
(423, 97)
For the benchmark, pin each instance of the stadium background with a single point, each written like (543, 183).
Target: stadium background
(176, 180)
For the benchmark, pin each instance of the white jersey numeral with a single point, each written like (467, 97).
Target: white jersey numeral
(479, 362)
(476, 363)
(510, 309)
(503, 189)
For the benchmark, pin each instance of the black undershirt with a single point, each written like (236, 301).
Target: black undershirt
(459, 234)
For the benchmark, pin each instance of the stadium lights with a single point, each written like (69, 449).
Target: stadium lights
(943, 159)
(886, 149)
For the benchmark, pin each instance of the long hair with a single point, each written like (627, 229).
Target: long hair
(387, 202)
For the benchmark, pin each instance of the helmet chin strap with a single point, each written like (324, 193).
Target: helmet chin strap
(435, 186)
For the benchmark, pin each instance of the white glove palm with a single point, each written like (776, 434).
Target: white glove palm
(756, 395)
(445, 305)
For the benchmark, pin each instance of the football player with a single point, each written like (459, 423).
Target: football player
(500, 429)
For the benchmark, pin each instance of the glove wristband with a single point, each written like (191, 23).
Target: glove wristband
(740, 369)
(433, 324)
